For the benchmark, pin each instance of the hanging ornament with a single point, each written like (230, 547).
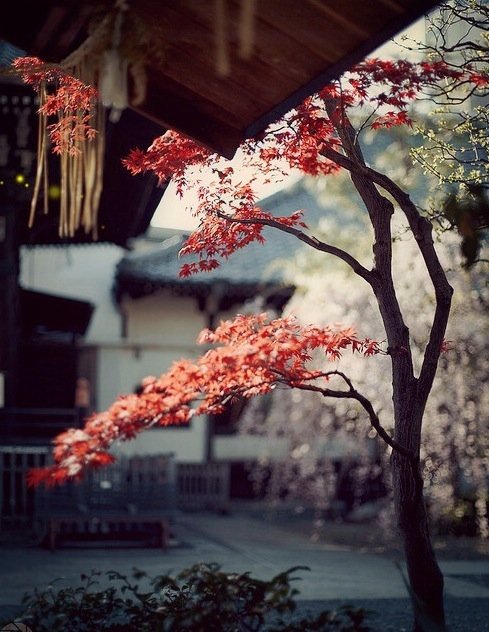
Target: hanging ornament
(221, 36)
(112, 82)
(111, 59)
(102, 62)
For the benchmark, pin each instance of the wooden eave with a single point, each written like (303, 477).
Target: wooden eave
(298, 46)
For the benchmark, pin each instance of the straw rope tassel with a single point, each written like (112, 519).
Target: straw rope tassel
(81, 171)
(41, 170)
(99, 150)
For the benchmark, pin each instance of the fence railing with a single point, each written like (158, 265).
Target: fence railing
(17, 500)
(133, 483)
(202, 485)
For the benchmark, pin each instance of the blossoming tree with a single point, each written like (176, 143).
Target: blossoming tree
(455, 137)
(252, 355)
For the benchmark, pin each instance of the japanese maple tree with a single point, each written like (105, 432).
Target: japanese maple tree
(251, 355)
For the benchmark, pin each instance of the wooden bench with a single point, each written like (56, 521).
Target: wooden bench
(66, 526)
(133, 499)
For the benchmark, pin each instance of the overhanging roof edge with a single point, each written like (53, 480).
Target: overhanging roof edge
(412, 13)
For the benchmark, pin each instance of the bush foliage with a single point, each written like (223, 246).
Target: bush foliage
(199, 598)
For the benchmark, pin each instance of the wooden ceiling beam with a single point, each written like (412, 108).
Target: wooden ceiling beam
(168, 105)
(298, 47)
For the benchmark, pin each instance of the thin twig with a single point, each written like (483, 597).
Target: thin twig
(312, 241)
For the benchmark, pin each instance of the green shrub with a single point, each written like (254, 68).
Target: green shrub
(200, 598)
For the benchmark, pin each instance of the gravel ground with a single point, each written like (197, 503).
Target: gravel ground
(394, 615)
(386, 615)
(365, 537)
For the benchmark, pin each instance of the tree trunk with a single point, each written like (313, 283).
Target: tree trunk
(425, 577)
(409, 394)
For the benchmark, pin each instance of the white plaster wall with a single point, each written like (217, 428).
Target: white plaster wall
(161, 329)
(80, 272)
(187, 444)
(246, 448)
(120, 368)
(164, 319)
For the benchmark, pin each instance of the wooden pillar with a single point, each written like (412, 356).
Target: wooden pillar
(9, 300)
(18, 140)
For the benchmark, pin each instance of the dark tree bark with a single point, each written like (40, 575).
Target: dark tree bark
(410, 392)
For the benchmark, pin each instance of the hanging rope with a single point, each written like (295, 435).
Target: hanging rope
(105, 61)
(100, 63)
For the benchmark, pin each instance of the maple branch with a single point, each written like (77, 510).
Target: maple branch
(421, 229)
(310, 240)
(366, 404)
(380, 210)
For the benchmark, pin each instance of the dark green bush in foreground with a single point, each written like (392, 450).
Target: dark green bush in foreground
(201, 598)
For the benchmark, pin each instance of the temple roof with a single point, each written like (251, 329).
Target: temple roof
(255, 269)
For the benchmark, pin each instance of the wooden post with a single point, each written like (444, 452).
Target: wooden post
(18, 126)
(9, 300)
